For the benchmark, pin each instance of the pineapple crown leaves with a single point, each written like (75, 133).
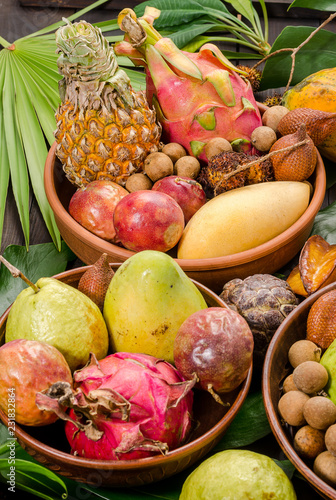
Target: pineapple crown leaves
(87, 61)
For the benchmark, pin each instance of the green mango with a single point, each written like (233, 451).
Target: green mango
(148, 299)
(328, 360)
(63, 317)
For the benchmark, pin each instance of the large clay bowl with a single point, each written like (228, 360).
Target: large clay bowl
(212, 272)
(276, 368)
(48, 444)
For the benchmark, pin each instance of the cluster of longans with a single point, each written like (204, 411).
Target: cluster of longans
(306, 407)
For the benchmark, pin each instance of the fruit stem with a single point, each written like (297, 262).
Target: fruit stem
(16, 273)
(245, 166)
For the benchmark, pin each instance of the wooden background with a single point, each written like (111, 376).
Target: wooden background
(19, 18)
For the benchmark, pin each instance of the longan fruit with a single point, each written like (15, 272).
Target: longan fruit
(303, 350)
(330, 439)
(263, 138)
(187, 166)
(310, 377)
(174, 150)
(215, 146)
(158, 165)
(320, 412)
(288, 384)
(309, 442)
(290, 407)
(138, 182)
(325, 467)
(273, 115)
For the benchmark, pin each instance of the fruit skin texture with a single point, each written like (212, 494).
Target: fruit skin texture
(144, 408)
(297, 164)
(238, 475)
(216, 344)
(27, 367)
(61, 316)
(148, 299)
(105, 129)
(264, 301)
(243, 218)
(317, 91)
(93, 206)
(197, 96)
(321, 328)
(186, 192)
(148, 220)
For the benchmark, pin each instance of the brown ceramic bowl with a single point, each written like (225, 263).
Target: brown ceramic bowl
(276, 368)
(48, 444)
(212, 272)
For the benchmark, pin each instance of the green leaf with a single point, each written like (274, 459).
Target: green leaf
(319, 53)
(17, 162)
(286, 466)
(244, 7)
(173, 12)
(42, 260)
(4, 160)
(249, 425)
(329, 5)
(36, 154)
(33, 478)
(325, 223)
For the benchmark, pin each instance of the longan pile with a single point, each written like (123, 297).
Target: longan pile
(305, 406)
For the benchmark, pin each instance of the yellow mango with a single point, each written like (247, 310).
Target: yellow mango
(317, 91)
(243, 218)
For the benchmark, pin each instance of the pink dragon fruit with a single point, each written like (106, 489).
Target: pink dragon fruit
(126, 406)
(197, 96)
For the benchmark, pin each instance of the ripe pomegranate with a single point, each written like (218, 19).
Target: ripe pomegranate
(27, 367)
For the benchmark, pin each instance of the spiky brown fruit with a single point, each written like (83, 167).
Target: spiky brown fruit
(95, 281)
(253, 76)
(213, 177)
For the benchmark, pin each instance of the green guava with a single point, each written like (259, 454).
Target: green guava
(238, 475)
(61, 316)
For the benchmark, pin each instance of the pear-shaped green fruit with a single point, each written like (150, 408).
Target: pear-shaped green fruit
(61, 316)
(238, 475)
(147, 300)
(328, 360)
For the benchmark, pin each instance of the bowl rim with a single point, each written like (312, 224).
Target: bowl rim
(148, 462)
(207, 264)
(321, 486)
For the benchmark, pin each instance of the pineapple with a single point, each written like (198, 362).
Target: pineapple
(105, 129)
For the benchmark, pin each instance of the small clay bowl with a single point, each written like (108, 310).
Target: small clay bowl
(276, 368)
(49, 446)
(212, 272)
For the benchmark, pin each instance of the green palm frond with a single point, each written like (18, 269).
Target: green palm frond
(29, 97)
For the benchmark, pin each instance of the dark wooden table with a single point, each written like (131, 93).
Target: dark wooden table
(21, 18)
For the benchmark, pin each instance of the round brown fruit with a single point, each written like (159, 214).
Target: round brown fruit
(273, 115)
(330, 439)
(138, 182)
(325, 467)
(174, 150)
(186, 192)
(309, 442)
(310, 377)
(303, 350)
(187, 166)
(93, 206)
(263, 138)
(158, 165)
(320, 412)
(148, 220)
(29, 367)
(216, 344)
(288, 384)
(290, 407)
